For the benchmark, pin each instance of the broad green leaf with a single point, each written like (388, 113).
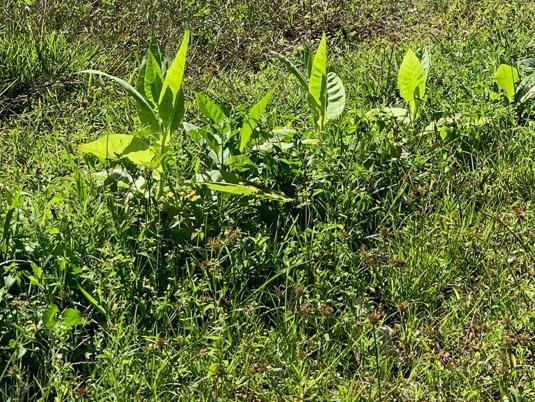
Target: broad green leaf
(152, 80)
(146, 114)
(172, 117)
(210, 109)
(245, 190)
(49, 316)
(411, 81)
(240, 163)
(317, 82)
(171, 103)
(526, 89)
(231, 188)
(158, 54)
(175, 73)
(506, 77)
(253, 119)
(294, 70)
(72, 318)
(115, 146)
(336, 96)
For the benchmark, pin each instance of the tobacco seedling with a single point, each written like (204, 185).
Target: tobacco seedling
(326, 94)
(517, 83)
(227, 159)
(412, 79)
(160, 108)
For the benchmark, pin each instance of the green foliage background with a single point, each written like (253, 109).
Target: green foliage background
(401, 270)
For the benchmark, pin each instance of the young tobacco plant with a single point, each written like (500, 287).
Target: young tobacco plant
(517, 83)
(326, 94)
(160, 108)
(412, 80)
(227, 160)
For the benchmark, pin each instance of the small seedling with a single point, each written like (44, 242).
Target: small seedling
(326, 94)
(517, 83)
(412, 79)
(160, 108)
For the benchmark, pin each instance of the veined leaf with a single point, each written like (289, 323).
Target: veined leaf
(336, 96)
(253, 119)
(246, 190)
(231, 188)
(526, 89)
(72, 318)
(171, 103)
(158, 54)
(527, 66)
(210, 109)
(411, 81)
(317, 81)
(175, 73)
(115, 146)
(294, 70)
(49, 316)
(506, 77)
(152, 80)
(240, 163)
(145, 112)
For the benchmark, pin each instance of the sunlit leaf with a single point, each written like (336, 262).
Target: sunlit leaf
(294, 70)
(253, 119)
(506, 77)
(411, 81)
(175, 73)
(240, 163)
(246, 190)
(72, 318)
(426, 62)
(210, 109)
(92, 300)
(317, 82)
(152, 80)
(49, 316)
(115, 146)
(526, 89)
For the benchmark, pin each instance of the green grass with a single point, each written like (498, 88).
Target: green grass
(403, 269)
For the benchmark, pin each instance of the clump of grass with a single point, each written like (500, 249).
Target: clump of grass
(31, 64)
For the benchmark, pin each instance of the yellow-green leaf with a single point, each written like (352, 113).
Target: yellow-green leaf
(411, 81)
(116, 146)
(253, 119)
(175, 73)
(317, 82)
(506, 77)
(210, 109)
(245, 190)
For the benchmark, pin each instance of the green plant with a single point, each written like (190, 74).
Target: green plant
(160, 107)
(412, 79)
(325, 91)
(228, 160)
(517, 83)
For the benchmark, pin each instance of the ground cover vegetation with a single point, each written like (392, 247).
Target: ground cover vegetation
(267, 200)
